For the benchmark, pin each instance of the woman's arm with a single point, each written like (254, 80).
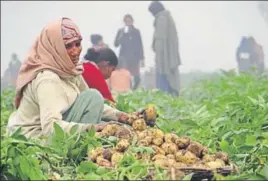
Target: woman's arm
(51, 100)
(118, 37)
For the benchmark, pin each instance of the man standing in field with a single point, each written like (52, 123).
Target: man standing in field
(166, 47)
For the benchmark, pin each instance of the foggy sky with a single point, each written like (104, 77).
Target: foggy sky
(209, 32)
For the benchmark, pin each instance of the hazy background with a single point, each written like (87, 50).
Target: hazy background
(209, 32)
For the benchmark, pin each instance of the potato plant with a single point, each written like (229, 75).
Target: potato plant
(228, 113)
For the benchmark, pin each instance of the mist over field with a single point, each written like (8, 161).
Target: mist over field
(209, 32)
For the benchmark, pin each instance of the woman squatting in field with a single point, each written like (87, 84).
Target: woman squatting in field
(50, 87)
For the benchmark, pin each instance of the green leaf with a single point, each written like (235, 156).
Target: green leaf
(92, 131)
(188, 177)
(265, 169)
(59, 133)
(74, 129)
(251, 140)
(86, 167)
(224, 145)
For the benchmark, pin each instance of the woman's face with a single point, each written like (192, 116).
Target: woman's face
(74, 50)
(106, 69)
(128, 21)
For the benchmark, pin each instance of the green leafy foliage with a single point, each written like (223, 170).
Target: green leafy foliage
(226, 112)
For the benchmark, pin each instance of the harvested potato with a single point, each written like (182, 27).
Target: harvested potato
(122, 145)
(161, 163)
(132, 118)
(158, 150)
(146, 156)
(170, 148)
(107, 154)
(171, 162)
(159, 157)
(223, 156)
(171, 156)
(158, 141)
(142, 143)
(208, 158)
(142, 134)
(157, 133)
(116, 158)
(110, 130)
(149, 139)
(170, 137)
(150, 115)
(186, 157)
(182, 142)
(218, 163)
(103, 162)
(197, 149)
(123, 133)
(139, 125)
(95, 153)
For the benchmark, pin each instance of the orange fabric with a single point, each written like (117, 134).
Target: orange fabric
(120, 80)
(49, 52)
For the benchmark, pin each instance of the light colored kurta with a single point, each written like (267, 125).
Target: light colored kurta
(44, 101)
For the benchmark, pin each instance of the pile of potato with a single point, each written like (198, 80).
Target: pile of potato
(170, 150)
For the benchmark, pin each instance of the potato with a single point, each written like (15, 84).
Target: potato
(157, 133)
(171, 162)
(95, 153)
(158, 141)
(158, 150)
(218, 163)
(110, 130)
(208, 158)
(150, 115)
(123, 133)
(223, 156)
(142, 143)
(142, 134)
(171, 156)
(159, 157)
(197, 149)
(122, 145)
(161, 163)
(170, 137)
(149, 139)
(182, 142)
(169, 148)
(116, 158)
(132, 118)
(139, 125)
(186, 157)
(103, 162)
(107, 154)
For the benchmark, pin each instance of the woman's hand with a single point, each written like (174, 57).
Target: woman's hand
(123, 118)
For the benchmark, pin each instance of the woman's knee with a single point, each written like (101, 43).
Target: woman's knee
(94, 96)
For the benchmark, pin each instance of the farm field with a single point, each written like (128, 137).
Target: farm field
(228, 113)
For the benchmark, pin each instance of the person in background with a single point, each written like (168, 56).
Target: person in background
(166, 48)
(11, 74)
(120, 81)
(131, 55)
(257, 55)
(98, 67)
(243, 56)
(97, 42)
(50, 88)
